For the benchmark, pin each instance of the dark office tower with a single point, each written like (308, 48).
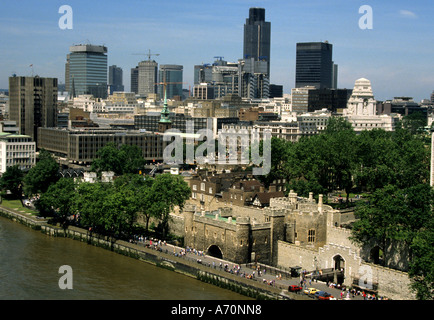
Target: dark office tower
(88, 70)
(33, 103)
(115, 79)
(257, 37)
(170, 75)
(314, 65)
(67, 86)
(135, 80)
(276, 91)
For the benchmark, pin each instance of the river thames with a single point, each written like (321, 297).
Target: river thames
(30, 262)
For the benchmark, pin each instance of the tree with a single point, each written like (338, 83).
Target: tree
(126, 159)
(421, 270)
(42, 175)
(406, 216)
(278, 168)
(59, 200)
(107, 160)
(12, 180)
(166, 192)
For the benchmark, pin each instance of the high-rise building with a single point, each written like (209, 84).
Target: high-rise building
(170, 76)
(134, 80)
(257, 37)
(115, 79)
(87, 70)
(314, 65)
(202, 73)
(32, 103)
(253, 79)
(147, 77)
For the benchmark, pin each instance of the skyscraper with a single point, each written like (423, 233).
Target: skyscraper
(147, 77)
(135, 80)
(314, 65)
(87, 70)
(170, 75)
(115, 79)
(257, 37)
(33, 103)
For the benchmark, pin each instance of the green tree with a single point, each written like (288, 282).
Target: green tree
(166, 192)
(421, 270)
(59, 200)
(406, 216)
(123, 160)
(12, 180)
(42, 175)
(107, 159)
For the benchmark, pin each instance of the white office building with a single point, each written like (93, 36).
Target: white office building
(16, 149)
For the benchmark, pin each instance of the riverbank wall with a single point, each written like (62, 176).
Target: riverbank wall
(162, 258)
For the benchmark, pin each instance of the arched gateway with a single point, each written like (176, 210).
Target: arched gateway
(215, 252)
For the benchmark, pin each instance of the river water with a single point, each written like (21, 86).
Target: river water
(30, 262)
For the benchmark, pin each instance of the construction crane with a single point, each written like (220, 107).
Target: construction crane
(149, 54)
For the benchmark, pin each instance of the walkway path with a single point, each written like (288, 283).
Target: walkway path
(247, 270)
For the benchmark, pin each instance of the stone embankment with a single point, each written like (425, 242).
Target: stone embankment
(164, 256)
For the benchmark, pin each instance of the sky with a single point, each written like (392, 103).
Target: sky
(396, 54)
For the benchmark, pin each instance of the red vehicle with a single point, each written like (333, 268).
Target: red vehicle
(294, 288)
(325, 296)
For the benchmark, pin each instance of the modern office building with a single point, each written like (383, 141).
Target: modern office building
(134, 85)
(275, 91)
(170, 76)
(257, 37)
(87, 70)
(32, 103)
(147, 77)
(16, 149)
(314, 65)
(81, 145)
(115, 79)
(253, 79)
(203, 73)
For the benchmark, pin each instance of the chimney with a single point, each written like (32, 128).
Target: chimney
(310, 196)
(320, 203)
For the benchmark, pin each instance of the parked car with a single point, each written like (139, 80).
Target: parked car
(310, 290)
(294, 288)
(324, 296)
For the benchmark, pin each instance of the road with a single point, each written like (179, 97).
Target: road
(246, 270)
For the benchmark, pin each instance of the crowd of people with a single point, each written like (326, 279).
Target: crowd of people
(255, 273)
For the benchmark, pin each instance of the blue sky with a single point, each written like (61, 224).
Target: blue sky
(397, 54)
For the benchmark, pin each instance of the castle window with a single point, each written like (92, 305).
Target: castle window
(311, 236)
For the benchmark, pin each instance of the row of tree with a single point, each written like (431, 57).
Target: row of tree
(390, 168)
(340, 159)
(113, 208)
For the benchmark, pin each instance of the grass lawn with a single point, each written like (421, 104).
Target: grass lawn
(16, 205)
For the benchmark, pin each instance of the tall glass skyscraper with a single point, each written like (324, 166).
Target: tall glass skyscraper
(314, 65)
(87, 70)
(115, 79)
(257, 37)
(171, 76)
